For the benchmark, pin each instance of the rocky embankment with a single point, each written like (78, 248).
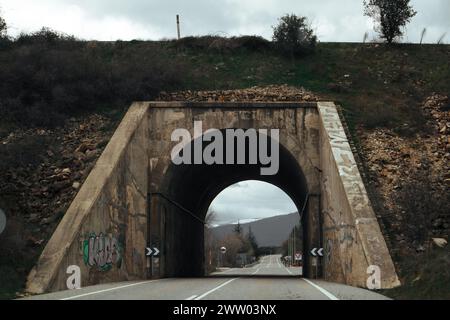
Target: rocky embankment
(412, 177)
(41, 172)
(254, 94)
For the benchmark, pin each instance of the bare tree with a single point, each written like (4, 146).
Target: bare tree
(441, 39)
(234, 244)
(211, 244)
(211, 217)
(422, 35)
(390, 16)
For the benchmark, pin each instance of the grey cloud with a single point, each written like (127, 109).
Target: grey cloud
(250, 200)
(333, 20)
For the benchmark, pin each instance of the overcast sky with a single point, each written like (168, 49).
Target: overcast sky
(333, 20)
(250, 200)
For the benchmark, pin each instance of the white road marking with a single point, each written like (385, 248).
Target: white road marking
(256, 271)
(107, 290)
(288, 270)
(278, 262)
(325, 292)
(192, 297)
(215, 289)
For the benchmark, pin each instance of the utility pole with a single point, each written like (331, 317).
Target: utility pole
(292, 248)
(178, 26)
(289, 252)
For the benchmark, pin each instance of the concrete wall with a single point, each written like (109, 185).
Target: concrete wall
(352, 237)
(104, 230)
(109, 224)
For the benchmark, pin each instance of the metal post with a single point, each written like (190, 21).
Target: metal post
(148, 259)
(289, 248)
(178, 27)
(294, 251)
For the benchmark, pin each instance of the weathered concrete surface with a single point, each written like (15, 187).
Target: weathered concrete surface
(110, 208)
(137, 197)
(353, 239)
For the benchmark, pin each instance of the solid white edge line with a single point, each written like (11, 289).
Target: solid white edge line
(106, 290)
(215, 289)
(192, 297)
(325, 292)
(256, 271)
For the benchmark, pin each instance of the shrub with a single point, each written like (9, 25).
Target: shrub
(45, 35)
(253, 43)
(46, 77)
(391, 16)
(223, 44)
(423, 203)
(293, 36)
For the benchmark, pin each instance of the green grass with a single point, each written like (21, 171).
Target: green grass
(377, 85)
(426, 277)
(385, 84)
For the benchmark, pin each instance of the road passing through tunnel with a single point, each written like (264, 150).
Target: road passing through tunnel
(267, 280)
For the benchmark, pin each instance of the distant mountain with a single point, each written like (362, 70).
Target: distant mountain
(269, 232)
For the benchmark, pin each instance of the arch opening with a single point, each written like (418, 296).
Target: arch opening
(189, 189)
(253, 228)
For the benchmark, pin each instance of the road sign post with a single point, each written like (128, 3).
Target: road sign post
(223, 250)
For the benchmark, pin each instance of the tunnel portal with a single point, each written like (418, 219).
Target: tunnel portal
(136, 197)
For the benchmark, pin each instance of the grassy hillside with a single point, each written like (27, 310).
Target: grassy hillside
(45, 79)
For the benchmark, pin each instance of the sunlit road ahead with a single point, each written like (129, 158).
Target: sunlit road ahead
(267, 266)
(267, 280)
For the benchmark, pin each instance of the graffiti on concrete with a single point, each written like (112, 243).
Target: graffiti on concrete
(328, 249)
(102, 251)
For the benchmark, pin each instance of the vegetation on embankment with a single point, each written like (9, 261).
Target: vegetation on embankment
(44, 78)
(427, 277)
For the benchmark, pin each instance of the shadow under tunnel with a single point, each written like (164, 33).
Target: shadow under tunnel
(187, 190)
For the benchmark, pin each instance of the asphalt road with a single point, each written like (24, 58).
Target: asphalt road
(268, 266)
(268, 280)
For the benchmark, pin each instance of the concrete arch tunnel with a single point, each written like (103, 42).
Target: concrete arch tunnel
(136, 197)
(194, 187)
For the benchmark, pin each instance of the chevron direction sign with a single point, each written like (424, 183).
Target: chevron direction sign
(317, 252)
(151, 252)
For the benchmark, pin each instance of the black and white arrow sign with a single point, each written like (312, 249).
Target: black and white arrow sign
(317, 252)
(151, 252)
